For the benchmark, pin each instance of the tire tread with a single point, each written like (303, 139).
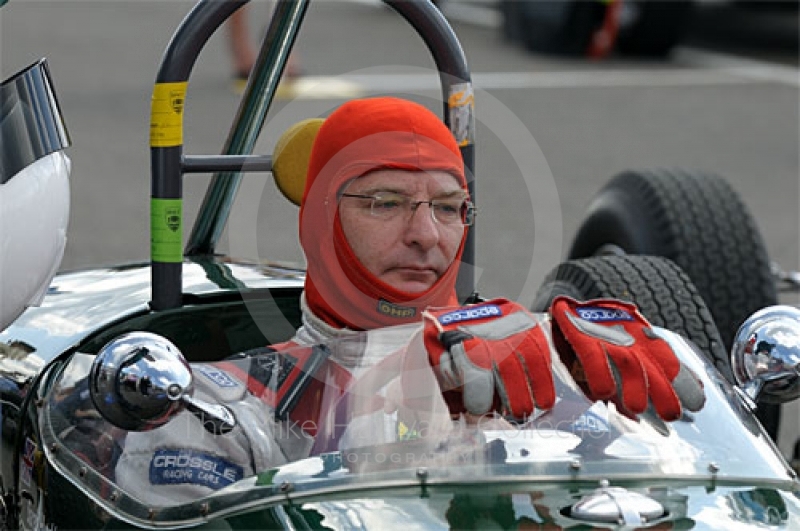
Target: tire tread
(663, 292)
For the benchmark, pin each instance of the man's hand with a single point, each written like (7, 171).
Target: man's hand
(494, 356)
(613, 352)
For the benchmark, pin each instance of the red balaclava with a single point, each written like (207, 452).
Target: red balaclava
(359, 137)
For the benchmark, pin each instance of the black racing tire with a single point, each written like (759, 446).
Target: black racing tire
(662, 291)
(657, 26)
(698, 221)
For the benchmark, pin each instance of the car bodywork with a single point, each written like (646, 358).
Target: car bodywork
(416, 467)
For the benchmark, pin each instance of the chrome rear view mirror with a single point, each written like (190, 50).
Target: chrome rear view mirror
(766, 355)
(140, 381)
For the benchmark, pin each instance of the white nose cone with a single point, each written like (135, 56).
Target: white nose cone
(34, 189)
(34, 213)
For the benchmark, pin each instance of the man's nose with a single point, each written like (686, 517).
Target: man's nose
(421, 228)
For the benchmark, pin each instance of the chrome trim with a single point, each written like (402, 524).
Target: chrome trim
(31, 124)
(617, 505)
(765, 355)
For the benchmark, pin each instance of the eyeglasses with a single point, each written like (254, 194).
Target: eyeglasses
(448, 211)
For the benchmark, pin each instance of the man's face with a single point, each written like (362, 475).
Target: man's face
(408, 253)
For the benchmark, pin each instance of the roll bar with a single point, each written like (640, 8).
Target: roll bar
(169, 164)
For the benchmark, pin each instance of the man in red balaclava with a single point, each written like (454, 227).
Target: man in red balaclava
(383, 222)
(364, 270)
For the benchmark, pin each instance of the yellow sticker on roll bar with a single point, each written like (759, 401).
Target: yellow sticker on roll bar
(166, 114)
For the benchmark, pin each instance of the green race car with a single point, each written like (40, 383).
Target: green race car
(112, 355)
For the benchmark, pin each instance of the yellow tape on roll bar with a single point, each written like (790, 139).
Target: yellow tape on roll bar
(166, 114)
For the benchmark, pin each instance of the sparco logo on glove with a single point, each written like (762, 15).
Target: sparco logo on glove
(469, 314)
(597, 314)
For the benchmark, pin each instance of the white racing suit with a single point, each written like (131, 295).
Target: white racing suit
(388, 393)
(182, 461)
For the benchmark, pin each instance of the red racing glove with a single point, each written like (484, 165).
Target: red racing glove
(492, 356)
(614, 354)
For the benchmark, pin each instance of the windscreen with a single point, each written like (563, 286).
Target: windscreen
(368, 411)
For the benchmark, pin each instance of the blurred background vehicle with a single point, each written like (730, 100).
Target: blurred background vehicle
(599, 28)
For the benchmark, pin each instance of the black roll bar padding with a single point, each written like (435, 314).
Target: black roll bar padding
(165, 160)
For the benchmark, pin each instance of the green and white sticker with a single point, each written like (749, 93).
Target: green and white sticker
(166, 230)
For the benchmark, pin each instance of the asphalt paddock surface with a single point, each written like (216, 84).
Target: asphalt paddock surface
(550, 131)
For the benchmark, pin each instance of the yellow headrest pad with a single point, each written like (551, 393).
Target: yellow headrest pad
(290, 158)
